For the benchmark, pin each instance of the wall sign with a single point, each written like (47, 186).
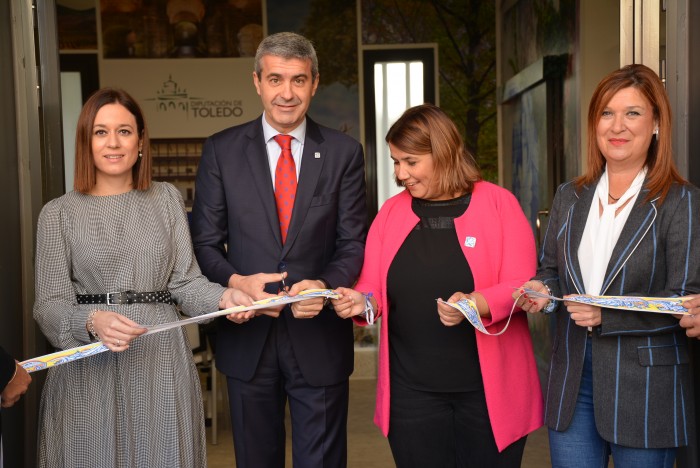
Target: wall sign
(187, 98)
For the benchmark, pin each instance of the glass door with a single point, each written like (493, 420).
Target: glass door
(395, 79)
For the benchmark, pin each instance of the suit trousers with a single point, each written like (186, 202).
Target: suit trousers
(580, 446)
(445, 429)
(318, 414)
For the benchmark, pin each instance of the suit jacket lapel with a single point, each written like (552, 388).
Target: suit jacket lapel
(576, 223)
(256, 152)
(309, 174)
(636, 227)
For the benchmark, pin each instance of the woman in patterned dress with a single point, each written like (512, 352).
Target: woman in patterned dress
(139, 405)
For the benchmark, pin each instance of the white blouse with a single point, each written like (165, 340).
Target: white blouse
(603, 230)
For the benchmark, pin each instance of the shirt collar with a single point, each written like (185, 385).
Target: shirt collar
(269, 133)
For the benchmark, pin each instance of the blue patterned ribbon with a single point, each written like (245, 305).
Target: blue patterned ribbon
(80, 352)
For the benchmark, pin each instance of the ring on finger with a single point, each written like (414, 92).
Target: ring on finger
(119, 342)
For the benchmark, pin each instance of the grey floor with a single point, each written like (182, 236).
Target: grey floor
(367, 448)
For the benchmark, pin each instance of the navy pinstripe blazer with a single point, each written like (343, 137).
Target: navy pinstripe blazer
(641, 378)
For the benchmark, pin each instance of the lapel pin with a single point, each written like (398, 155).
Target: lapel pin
(470, 242)
(317, 155)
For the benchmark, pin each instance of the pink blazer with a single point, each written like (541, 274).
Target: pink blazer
(497, 242)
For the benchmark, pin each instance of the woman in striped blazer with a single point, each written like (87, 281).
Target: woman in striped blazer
(619, 381)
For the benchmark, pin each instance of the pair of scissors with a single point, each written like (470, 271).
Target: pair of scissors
(284, 289)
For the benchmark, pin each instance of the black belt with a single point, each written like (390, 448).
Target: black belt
(125, 297)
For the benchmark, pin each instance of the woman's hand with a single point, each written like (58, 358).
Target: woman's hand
(449, 316)
(115, 330)
(350, 303)
(233, 297)
(529, 304)
(585, 315)
(691, 321)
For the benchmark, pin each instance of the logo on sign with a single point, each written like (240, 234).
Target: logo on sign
(173, 98)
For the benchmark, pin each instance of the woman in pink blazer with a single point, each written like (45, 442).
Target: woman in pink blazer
(448, 395)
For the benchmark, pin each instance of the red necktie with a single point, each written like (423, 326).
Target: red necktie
(285, 183)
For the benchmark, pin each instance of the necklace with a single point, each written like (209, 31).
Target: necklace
(613, 198)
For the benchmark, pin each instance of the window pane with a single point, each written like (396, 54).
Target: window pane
(398, 86)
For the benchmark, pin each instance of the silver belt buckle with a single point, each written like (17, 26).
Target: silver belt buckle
(123, 298)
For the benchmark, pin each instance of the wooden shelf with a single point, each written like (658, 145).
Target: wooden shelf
(175, 161)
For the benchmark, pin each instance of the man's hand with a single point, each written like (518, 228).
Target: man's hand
(254, 287)
(16, 388)
(309, 308)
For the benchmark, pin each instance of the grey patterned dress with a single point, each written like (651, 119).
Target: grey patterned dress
(137, 408)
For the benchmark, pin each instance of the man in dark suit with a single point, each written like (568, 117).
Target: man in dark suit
(14, 381)
(303, 353)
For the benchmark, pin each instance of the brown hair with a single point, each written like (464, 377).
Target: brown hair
(661, 170)
(85, 178)
(426, 129)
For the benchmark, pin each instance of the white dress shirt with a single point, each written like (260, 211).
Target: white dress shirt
(274, 149)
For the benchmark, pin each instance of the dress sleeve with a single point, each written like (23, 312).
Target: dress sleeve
(55, 308)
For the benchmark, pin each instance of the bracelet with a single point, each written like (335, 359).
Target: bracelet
(368, 313)
(91, 325)
(551, 305)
